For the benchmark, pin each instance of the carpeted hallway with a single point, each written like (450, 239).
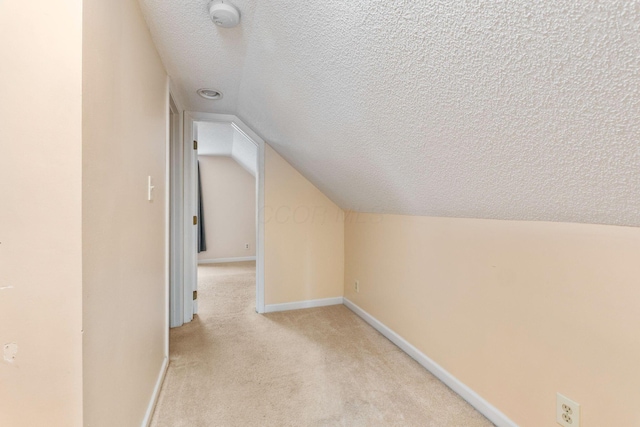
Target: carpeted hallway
(313, 367)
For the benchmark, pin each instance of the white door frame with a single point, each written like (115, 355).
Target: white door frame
(175, 213)
(190, 205)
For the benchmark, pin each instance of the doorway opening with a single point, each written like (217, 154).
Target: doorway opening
(227, 225)
(227, 230)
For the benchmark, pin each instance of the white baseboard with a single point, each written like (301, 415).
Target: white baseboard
(473, 398)
(323, 302)
(221, 260)
(156, 392)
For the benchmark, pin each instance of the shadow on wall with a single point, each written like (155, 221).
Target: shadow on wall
(229, 205)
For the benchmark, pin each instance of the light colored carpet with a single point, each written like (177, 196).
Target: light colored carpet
(314, 367)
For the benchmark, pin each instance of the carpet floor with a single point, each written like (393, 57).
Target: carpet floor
(313, 367)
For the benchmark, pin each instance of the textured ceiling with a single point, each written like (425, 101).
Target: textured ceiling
(214, 139)
(487, 109)
(222, 139)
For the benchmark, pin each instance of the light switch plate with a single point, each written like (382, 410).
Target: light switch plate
(150, 188)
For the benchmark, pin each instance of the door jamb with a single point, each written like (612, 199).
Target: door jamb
(175, 214)
(190, 204)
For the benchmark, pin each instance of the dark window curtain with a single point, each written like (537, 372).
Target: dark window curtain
(202, 243)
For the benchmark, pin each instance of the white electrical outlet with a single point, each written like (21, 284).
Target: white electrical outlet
(246, 246)
(567, 411)
(356, 286)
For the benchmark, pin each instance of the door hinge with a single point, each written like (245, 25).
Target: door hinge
(195, 220)
(195, 145)
(195, 295)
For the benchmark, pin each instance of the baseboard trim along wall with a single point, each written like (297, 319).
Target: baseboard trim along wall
(156, 392)
(221, 260)
(484, 407)
(323, 302)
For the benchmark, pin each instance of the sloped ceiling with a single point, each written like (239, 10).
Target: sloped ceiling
(222, 139)
(214, 139)
(487, 109)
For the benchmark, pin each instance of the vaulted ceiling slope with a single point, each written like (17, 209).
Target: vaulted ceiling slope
(222, 139)
(475, 108)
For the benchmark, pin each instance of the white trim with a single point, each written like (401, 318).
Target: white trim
(323, 302)
(473, 398)
(221, 260)
(167, 219)
(190, 276)
(156, 393)
(174, 187)
(176, 94)
(260, 221)
(189, 195)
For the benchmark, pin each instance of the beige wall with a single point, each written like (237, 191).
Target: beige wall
(40, 212)
(229, 202)
(515, 310)
(124, 141)
(304, 237)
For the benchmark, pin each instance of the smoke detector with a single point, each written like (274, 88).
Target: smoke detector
(224, 14)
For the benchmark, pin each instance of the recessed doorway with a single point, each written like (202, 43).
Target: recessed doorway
(221, 141)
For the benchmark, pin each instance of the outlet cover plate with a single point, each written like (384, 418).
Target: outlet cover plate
(567, 411)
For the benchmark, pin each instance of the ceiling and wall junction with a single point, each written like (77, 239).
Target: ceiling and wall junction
(507, 110)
